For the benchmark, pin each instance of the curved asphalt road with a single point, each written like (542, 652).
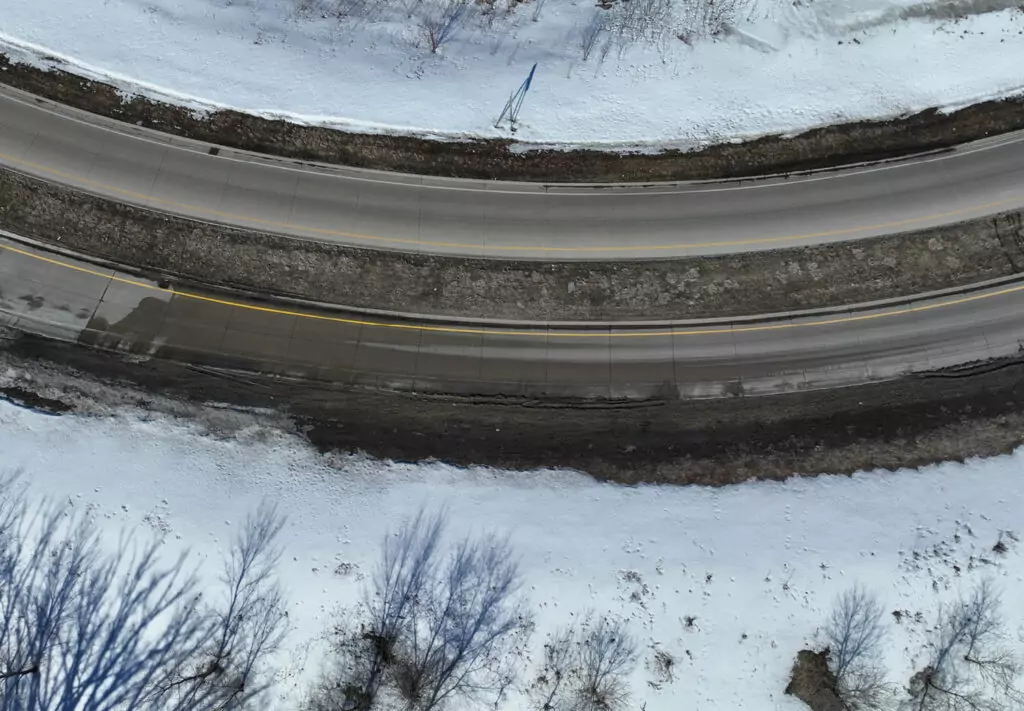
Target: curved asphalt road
(497, 219)
(60, 297)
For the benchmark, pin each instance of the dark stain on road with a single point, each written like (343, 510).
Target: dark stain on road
(33, 302)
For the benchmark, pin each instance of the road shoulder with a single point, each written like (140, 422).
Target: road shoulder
(938, 416)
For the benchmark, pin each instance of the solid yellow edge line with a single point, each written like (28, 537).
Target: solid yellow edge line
(499, 332)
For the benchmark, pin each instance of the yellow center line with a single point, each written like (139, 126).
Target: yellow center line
(783, 326)
(292, 228)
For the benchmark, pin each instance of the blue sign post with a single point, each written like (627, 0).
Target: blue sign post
(515, 102)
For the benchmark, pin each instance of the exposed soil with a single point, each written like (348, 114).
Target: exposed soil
(496, 159)
(905, 423)
(813, 683)
(695, 287)
(26, 398)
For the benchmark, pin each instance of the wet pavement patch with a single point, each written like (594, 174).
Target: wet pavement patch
(33, 302)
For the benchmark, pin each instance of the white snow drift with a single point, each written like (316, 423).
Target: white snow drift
(774, 66)
(756, 566)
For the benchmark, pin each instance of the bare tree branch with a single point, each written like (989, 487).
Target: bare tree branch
(224, 673)
(854, 631)
(586, 667)
(83, 628)
(440, 20)
(435, 628)
(969, 667)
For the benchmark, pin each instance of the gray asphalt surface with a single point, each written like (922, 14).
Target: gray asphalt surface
(412, 213)
(59, 297)
(71, 300)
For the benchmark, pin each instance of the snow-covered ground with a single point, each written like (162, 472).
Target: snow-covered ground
(785, 65)
(756, 565)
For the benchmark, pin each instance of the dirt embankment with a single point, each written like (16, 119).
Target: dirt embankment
(497, 159)
(697, 287)
(906, 423)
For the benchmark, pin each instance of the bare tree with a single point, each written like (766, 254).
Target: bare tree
(640, 21)
(83, 628)
(455, 638)
(586, 667)
(700, 19)
(969, 667)
(854, 634)
(608, 656)
(589, 33)
(559, 671)
(226, 671)
(854, 631)
(441, 20)
(37, 588)
(407, 570)
(80, 628)
(436, 627)
(365, 656)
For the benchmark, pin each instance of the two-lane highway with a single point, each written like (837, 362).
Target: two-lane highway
(499, 219)
(61, 297)
(67, 299)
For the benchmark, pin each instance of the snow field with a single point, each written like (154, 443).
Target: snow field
(781, 66)
(756, 566)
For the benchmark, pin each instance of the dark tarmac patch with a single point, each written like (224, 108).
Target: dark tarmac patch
(32, 302)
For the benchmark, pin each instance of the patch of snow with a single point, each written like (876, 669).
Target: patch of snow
(785, 66)
(756, 565)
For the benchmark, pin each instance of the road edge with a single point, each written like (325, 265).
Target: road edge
(260, 264)
(183, 283)
(909, 422)
(494, 159)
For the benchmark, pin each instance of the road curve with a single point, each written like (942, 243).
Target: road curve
(57, 296)
(498, 219)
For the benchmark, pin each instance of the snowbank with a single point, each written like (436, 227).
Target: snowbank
(787, 66)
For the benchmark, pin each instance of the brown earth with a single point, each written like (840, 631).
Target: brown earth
(695, 287)
(813, 683)
(905, 423)
(497, 159)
